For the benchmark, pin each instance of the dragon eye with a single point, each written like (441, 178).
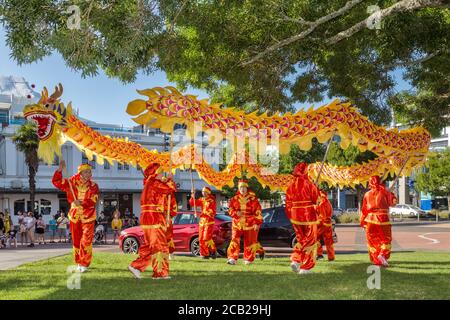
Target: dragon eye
(47, 105)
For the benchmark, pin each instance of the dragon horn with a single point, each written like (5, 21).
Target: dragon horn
(58, 93)
(44, 96)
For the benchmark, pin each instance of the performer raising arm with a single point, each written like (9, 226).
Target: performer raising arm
(82, 194)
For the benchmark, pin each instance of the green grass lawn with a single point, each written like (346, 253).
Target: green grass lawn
(412, 275)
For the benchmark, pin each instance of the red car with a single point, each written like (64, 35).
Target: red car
(185, 234)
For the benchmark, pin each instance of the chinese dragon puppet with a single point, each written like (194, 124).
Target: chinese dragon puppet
(165, 107)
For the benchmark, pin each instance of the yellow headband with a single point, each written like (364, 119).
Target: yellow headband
(242, 184)
(206, 190)
(83, 167)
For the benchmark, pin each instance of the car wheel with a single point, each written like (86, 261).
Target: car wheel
(293, 241)
(130, 245)
(195, 247)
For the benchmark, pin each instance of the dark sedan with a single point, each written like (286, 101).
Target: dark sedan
(277, 230)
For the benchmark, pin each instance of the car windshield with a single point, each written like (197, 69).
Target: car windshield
(267, 215)
(223, 217)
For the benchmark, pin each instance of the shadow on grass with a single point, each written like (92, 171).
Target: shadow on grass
(337, 282)
(109, 278)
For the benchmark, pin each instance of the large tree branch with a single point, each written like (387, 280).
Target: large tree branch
(401, 6)
(313, 26)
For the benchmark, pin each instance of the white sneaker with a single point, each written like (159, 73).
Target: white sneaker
(383, 261)
(82, 269)
(161, 278)
(247, 262)
(171, 256)
(304, 271)
(136, 273)
(295, 266)
(231, 261)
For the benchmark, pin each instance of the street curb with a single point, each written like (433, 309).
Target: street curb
(396, 223)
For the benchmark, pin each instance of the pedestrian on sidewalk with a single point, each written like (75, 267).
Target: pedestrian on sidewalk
(40, 230)
(62, 224)
(52, 226)
(30, 222)
(116, 225)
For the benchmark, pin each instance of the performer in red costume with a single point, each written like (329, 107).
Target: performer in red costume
(82, 194)
(206, 223)
(301, 198)
(245, 210)
(375, 219)
(155, 250)
(172, 213)
(325, 228)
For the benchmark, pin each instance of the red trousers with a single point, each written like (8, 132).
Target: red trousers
(326, 233)
(251, 244)
(169, 236)
(205, 237)
(305, 251)
(154, 251)
(82, 236)
(379, 238)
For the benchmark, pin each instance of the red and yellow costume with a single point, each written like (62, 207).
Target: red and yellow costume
(325, 228)
(246, 224)
(375, 219)
(82, 218)
(155, 250)
(173, 213)
(206, 223)
(301, 198)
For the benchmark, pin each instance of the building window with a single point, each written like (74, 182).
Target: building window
(46, 207)
(19, 205)
(4, 116)
(124, 166)
(106, 165)
(85, 160)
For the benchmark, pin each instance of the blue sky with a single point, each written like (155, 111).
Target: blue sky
(99, 98)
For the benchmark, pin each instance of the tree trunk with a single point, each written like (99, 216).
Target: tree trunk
(32, 161)
(32, 185)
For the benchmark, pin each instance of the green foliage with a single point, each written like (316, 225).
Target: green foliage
(207, 44)
(254, 185)
(436, 178)
(27, 141)
(295, 155)
(348, 218)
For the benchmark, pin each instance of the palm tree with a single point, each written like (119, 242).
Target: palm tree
(27, 141)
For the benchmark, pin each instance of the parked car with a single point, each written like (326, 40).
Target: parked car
(352, 210)
(277, 229)
(185, 234)
(338, 211)
(406, 210)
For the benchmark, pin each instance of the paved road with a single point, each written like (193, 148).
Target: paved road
(351, 239)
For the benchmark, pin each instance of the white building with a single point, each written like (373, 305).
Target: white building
(120, 185)
(408, 195)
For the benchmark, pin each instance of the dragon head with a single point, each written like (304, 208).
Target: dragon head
(50, 116)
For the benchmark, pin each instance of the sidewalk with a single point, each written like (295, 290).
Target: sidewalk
(399, 223)
(13, 257)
